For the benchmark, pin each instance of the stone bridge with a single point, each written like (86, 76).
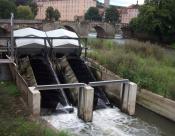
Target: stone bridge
(103, 30)
(5, 25)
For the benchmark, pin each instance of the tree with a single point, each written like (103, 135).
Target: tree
(92, 14)
(156, 18)
(24, 12)
(34, 8)
(56, 15)
(50, 14)
(6, 8)
(111, 15)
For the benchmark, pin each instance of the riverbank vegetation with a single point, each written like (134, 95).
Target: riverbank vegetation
(156, 21)
(22, 9)
(14, 117)
(149, 65)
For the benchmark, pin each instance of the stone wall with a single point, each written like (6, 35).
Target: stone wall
(26, 71)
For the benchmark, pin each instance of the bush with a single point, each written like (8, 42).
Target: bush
(24, 12)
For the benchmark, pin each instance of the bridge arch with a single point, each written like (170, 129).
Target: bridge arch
(69, 28)
(100, 31)
(4, 31)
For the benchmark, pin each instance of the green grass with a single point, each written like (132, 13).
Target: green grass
(173, 45)
(15, 119)
(149, 65)
(12, 89)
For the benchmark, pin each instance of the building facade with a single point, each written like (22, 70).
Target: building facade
(106, 3)
(127, 14)
(70, 10)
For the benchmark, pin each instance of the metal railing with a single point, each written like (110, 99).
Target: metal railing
(60, 86)
(80, 85)
(103, 83)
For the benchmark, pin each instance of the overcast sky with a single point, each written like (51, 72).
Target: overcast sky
(124, 2)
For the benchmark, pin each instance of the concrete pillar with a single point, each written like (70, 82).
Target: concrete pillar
(34, 101)
(132, 98)
(128, 98)
(85, 103)
(124, 97)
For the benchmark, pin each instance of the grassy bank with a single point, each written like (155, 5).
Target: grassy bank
(149, 65)
(15, 119)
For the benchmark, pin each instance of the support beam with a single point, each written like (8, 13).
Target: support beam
(34, 101)
(128, 98)
(124, 97)
(132, 98)
(85, 103)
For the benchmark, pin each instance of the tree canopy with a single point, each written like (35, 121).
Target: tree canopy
(33, 7)
(111, 15)
(57, 15)
(156, 18)
(24, 12)
(52, 15)
(27, 9)
(6, 8)
(92, 14)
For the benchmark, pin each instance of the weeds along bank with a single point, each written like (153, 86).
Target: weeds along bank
(149, 65)
(15, 120)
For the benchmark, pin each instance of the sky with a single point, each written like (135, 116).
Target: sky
(124, 2)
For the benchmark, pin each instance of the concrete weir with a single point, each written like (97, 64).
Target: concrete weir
(32, 94)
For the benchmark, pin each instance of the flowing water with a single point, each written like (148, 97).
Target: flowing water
(118, 37)
(107, 122)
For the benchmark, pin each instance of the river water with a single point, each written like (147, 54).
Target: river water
(112, 122)
(118, 38)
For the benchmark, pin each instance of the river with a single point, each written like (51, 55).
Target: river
(118, 38)
(112, 122)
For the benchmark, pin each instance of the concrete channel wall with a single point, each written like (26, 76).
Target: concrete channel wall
(156, 103)
(31, 97)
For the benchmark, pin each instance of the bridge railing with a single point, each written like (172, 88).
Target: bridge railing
(20, 21)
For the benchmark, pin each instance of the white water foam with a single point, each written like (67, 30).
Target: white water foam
(106, 122)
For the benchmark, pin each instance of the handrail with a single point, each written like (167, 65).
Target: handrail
(79, 85)
(80, 38)
(102, 83)
(60, 86)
